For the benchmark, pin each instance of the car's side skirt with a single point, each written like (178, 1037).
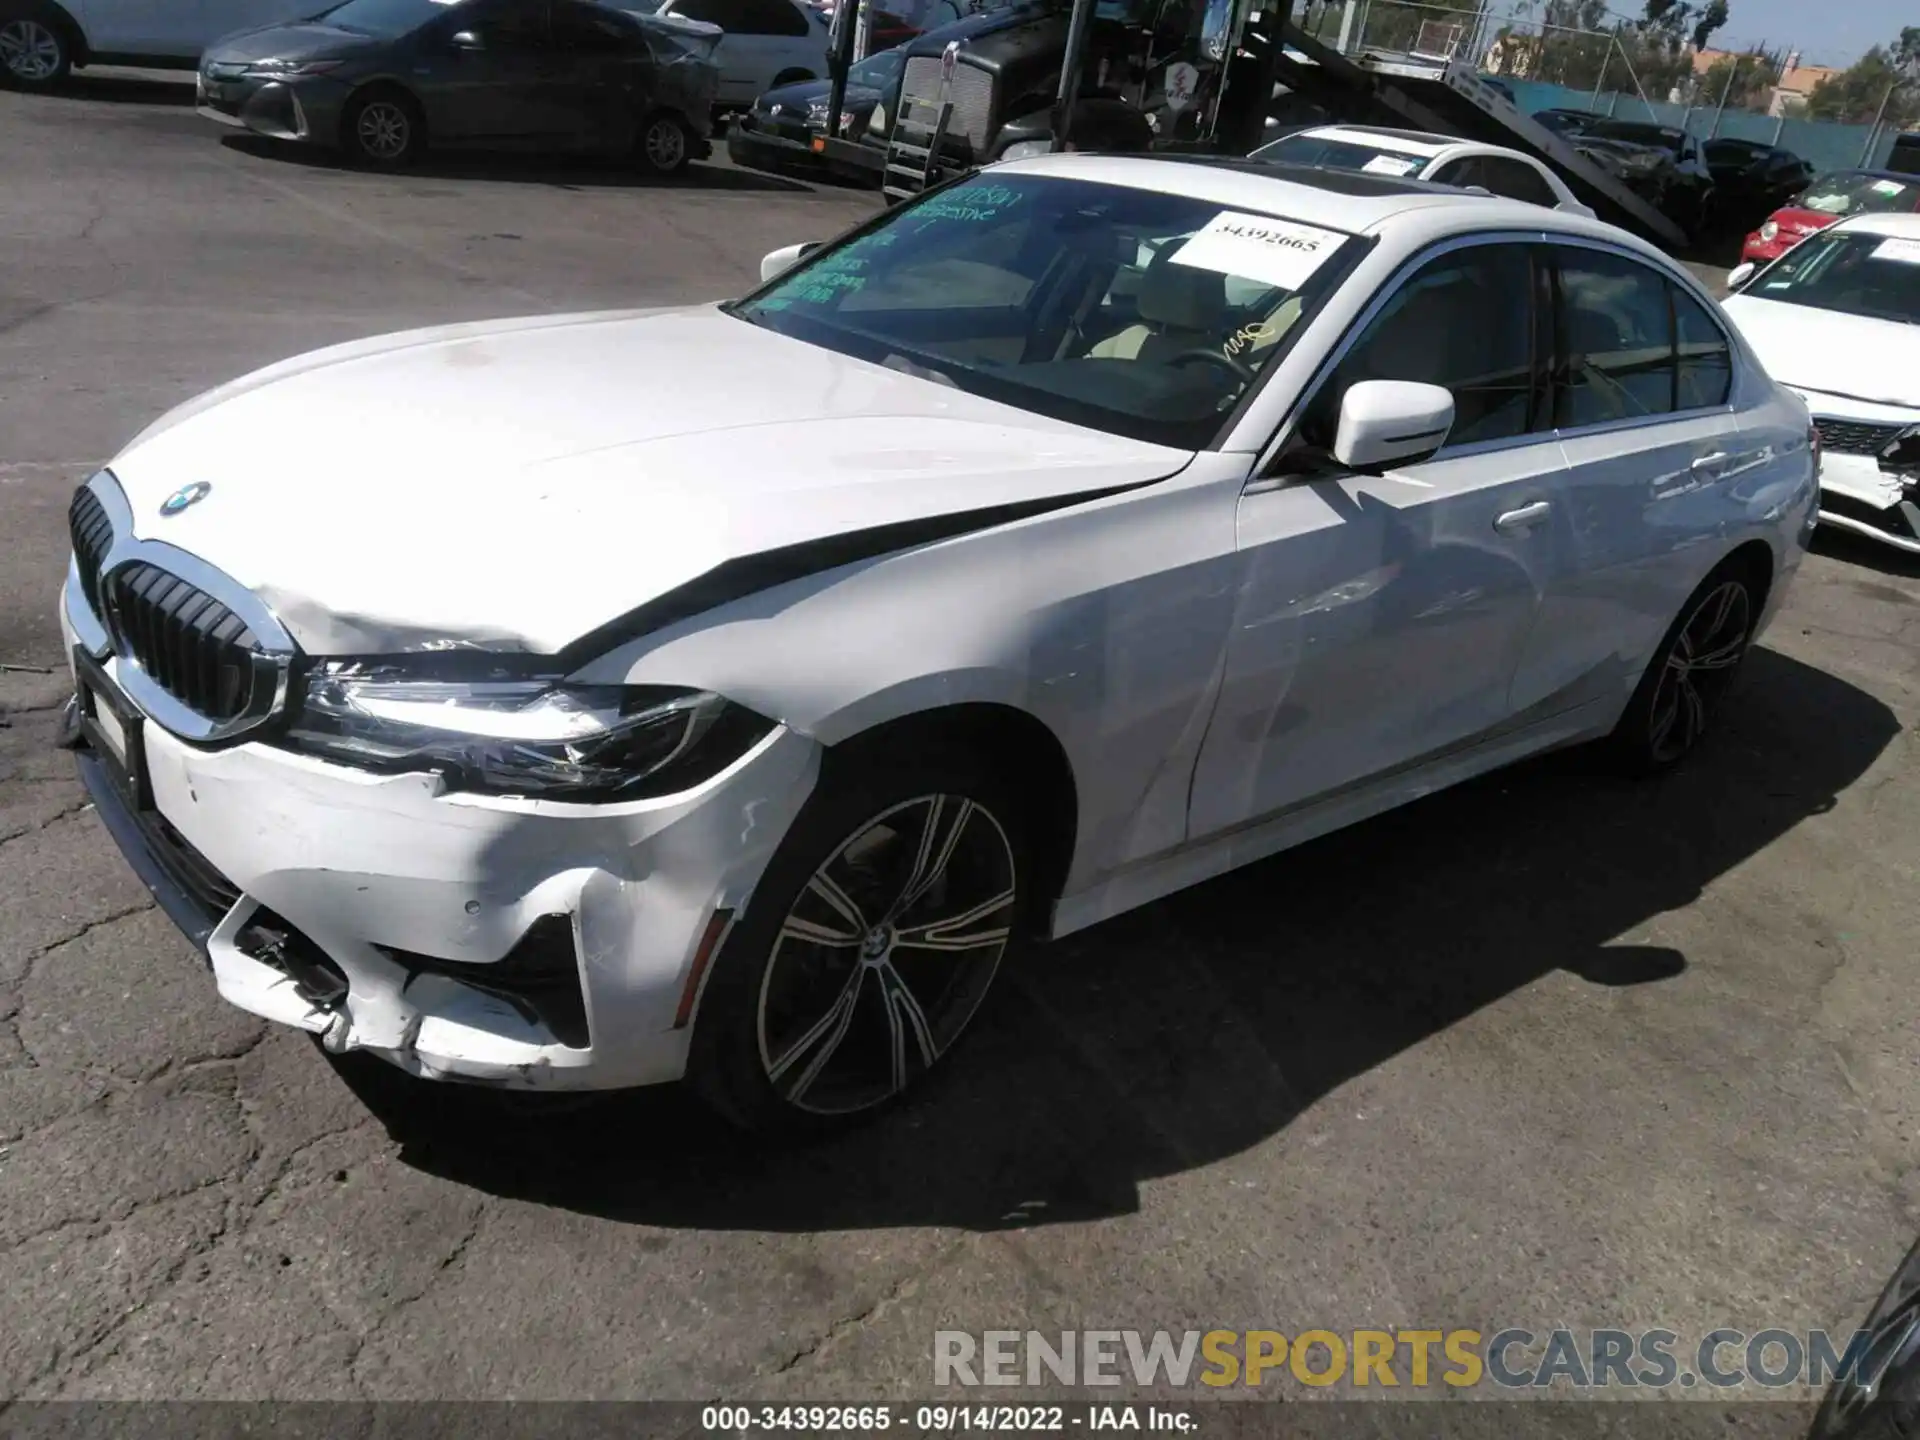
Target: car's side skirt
(1203, 859)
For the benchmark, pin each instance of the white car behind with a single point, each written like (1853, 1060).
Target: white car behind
(1418, 155)
(1837, 319)
(766, 42)
(41, 40)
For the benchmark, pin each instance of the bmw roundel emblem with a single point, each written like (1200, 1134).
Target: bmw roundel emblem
(185, 496)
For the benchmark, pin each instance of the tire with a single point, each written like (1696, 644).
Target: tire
(383, 128)
(664, 145)
(36, 47)
(1673, 707)
(868, 945)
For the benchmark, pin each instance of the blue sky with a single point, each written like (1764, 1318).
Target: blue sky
(1829, 33)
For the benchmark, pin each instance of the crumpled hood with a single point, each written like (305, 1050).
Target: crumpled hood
(1812, 349)
(518, 484)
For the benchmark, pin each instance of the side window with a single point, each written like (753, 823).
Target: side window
(1616, 338)
(766, 17)
(1705, 362)
(588, 29)
(723, 13)
(1462, 172)
(1438, 328)
(1517, 180)
(515, 27)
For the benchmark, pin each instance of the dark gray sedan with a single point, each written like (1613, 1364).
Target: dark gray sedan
(385, 79)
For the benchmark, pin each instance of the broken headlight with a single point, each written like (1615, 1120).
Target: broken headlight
(502, 735)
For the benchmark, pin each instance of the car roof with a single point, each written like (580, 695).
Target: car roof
(1364, 133)
(1905, 226)
(1349, 200)
(1424, 142)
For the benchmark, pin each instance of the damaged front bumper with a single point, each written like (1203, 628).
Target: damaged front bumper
(509, 942)
(1858, 496)
(306, 109)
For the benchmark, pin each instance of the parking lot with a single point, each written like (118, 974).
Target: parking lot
(1549, 1050)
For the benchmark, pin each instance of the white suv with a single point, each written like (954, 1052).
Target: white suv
(41, 40)
(767, 42)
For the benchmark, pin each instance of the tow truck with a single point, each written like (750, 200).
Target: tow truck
(1212, 86)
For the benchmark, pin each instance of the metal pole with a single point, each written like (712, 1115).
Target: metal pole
(1346, 28)
(1725, 91)
(1070, 66)
(1593, 105)
(845, 23)
(863, 31)
(1873, 135)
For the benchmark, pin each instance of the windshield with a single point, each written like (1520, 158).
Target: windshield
(876, 72)
(1330, 154)
(1636, 134)
(1852, 271)
(1138, 313)
(1852, 192)
(386, 17)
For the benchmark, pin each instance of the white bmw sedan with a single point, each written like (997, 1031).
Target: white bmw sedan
(1060, 539)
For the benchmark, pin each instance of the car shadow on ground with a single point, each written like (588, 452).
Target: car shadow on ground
(566, 172)
(1195, 1028)
(112, 88)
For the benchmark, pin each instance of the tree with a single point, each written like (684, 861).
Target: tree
(1886, 76)
(1746, 81)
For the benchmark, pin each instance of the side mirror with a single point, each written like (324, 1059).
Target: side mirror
(776, 263)
(1391, 422)
(466, 40)
(1740, 274)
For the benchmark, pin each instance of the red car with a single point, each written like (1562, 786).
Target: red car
(1830, 198)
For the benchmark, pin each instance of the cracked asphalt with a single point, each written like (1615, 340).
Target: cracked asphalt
(1547, 1050)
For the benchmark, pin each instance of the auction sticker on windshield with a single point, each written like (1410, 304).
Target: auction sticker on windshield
(1907, 252)
(1389, 165)
(1280, 252)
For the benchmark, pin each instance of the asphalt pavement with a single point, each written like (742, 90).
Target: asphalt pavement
(1551, 1049)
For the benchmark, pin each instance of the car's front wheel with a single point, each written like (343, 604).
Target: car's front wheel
(383, 128)
(868, 945)
(34, 51)
(1679, 697)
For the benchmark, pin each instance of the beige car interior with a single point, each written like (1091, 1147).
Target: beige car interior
(1183, 308)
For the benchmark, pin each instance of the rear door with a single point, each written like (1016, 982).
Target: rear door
(1642, 382)
(513, 88)
(171, 29)
(1381, 617)
(608, 68)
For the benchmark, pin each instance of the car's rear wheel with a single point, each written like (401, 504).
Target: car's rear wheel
(383, 128)
(664, 145)
(35, 53)
(868, 946)
(1678, 699)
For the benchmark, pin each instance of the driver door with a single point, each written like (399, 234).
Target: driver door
(1381, 618)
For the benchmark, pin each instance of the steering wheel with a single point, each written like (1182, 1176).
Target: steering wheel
(1238, 368)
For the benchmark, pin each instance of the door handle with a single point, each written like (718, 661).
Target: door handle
(1710, 462)
(1525, 518)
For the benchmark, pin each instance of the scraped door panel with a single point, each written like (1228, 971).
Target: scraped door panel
(1380, 622)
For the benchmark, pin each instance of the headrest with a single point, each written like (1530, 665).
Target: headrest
(1182, 297)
